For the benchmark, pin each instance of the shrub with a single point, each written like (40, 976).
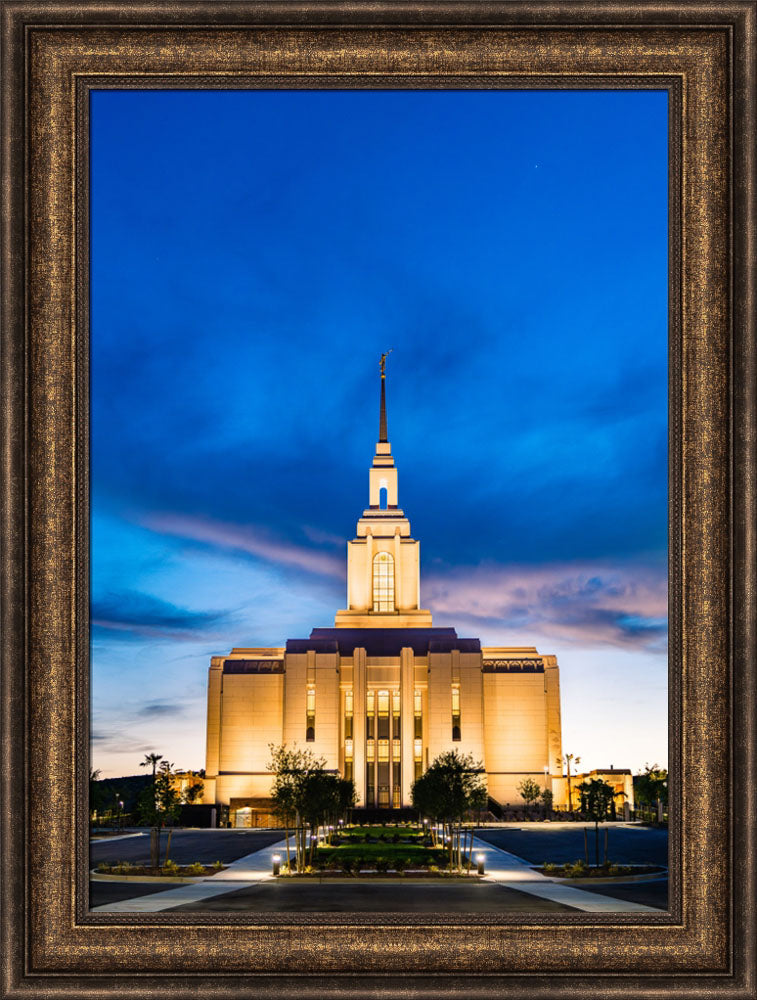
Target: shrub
(382, 865)
(548, 868)
(400, 865)
(346, 865)
(217, 866)
(196, 869)
(170, 867)
(395, 838)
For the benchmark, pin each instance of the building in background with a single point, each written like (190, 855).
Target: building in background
(384, 692)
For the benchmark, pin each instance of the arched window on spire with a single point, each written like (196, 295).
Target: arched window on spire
(383, 582)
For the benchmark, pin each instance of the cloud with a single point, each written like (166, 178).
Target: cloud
(157, 709)
(138, 615)
(580, 603)
(248, 539)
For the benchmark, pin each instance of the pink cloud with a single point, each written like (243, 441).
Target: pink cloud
(249, 539)
(587, 603)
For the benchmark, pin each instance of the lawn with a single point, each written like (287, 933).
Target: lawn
(383, 848)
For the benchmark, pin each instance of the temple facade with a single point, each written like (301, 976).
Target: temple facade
(383, 692)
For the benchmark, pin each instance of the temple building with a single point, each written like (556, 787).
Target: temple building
(383, 692)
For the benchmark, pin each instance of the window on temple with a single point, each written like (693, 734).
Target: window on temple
(348, 713)
(383, 582)
(310, 711)
(456, 713)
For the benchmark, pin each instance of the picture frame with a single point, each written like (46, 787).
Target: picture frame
(54, 53)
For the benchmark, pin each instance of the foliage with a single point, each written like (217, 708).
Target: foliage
(193, 792)
(651, 785)
(596, 798)
(450, 788)
(529, 790)
(160, 804)
(307, 797)
(546, 798)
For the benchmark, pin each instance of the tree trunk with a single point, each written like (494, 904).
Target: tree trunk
(596, 841)
(586, 847)
(606, 833)
(154, 847)
(168, 846)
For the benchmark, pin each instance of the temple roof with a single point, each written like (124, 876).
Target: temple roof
(383, 641)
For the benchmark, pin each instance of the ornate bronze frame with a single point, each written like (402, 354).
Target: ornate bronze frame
(704, 55)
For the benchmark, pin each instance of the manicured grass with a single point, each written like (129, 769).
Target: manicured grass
(352, 848)
(415, 854)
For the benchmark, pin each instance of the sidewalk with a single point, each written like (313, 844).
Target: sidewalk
(240, 874)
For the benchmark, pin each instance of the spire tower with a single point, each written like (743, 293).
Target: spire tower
(383, 561)
(382, 412)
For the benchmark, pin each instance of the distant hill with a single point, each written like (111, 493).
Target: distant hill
(109, 790)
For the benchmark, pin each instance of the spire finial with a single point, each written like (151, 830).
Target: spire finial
(382, 413)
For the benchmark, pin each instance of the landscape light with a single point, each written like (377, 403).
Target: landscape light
(276, 863)
(480, 858)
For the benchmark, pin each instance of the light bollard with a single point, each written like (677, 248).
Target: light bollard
(276, 863)
(480, 859)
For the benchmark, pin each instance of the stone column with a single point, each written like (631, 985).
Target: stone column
(407, 723)
(358, 722)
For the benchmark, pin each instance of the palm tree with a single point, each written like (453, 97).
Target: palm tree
(566, 759)
(152, 758)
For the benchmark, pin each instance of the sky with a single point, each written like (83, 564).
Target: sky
(253, 254)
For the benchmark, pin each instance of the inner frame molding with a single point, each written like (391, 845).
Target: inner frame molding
(704, 58)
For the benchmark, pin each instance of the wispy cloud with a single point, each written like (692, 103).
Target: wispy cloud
(587, 604)
(248, 539)
(136, 614)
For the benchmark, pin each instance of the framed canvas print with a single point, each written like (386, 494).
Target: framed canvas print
(256, 742)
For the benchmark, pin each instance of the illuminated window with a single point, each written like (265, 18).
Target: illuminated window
(310, 712)
(396, 715)
(370, 715)
(456, 713)
(348, 713)
(418, 714)
(382, 700)
(383, 582)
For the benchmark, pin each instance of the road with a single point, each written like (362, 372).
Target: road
(561, 842)
(187, 846)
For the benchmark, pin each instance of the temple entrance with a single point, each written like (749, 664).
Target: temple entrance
(383, 749)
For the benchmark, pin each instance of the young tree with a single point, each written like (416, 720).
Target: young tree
(158, 806)
(597, 797)
(529, 791)
(305, 796)
(448, 791)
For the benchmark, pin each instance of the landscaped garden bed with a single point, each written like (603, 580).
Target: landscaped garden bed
(580, 870)
(379, 851)
(170, 869)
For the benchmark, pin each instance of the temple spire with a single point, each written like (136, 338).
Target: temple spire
(382, 413)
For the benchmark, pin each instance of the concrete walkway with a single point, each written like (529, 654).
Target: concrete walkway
(240, 874)
(513, 872)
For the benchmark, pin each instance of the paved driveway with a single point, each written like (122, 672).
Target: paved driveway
(561, 842)
(187, 846)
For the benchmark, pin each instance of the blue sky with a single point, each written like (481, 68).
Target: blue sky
(253, 253)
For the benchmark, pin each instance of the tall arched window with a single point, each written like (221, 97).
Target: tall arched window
(383, 582)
